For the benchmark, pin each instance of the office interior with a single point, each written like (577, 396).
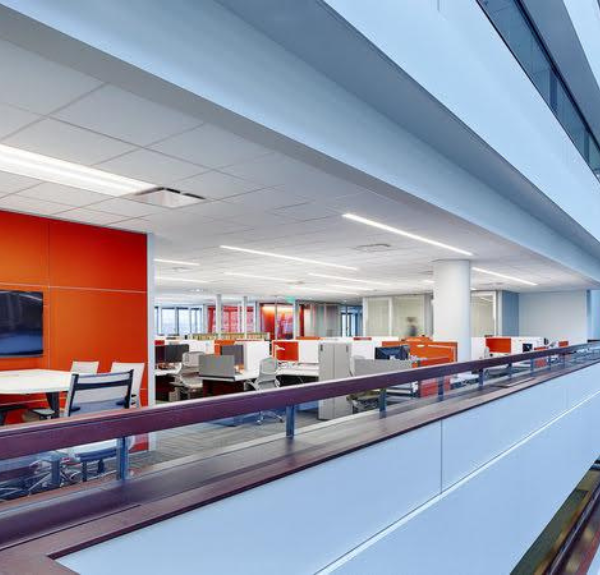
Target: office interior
(206, 260)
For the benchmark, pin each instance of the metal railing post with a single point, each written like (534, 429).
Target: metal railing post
(440, 387)
(290, 420)
(383, 399)
(480, 378)
(531, 365)
(122, 458)
(510, 370)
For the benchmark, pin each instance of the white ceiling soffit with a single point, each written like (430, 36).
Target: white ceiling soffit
(257, 196)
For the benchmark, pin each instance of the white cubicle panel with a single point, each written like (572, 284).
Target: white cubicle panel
(308, 351)
(478, 348)
(517, 343)
(363, 348)
(254, 353)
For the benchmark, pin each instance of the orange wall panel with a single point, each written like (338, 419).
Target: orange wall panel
(100, 258)
(94, 282)
(23, 249)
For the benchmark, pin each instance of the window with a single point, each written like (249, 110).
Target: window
(168, 321)
(514, 26)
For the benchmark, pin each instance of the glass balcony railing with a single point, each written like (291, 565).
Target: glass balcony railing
(516, 29)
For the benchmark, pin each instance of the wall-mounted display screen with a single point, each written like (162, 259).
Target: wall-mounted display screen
(21, 323)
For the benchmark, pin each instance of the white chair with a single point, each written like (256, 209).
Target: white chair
(85, 366)
(91, 393)
(187, 380)
(267, 379)
(138, 374)
(76, 367)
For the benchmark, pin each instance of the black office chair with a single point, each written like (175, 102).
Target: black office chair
(6, 409)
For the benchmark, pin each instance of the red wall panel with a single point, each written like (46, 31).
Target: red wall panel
(94, 283)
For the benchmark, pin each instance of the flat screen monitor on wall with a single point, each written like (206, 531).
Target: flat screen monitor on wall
(21, 323)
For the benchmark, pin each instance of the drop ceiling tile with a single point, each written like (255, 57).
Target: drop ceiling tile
(215, 185)
(124, 115)
(307, 211)
(152, 167)
(127, 208)
(10, 183)
(62, 194)
(59, 140)
(270, 170)
(90, 217)
(30, 205)
(210, 146)
(267, 199)
(12, 119)
(37, 84)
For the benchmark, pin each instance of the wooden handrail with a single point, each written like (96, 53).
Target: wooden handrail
(33, 438)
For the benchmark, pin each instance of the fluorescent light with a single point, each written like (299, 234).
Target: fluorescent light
(293, 258)
(359, 288)
(176, 279)
(346, 279)
(259, 277)
(325, 290)
(428, 282)
(45, 168)
(400, 232)
(503, 276)
(176, 262)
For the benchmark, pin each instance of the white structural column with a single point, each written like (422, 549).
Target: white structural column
(296, 320)
(452, 304)
(244, 316)
(218, 314)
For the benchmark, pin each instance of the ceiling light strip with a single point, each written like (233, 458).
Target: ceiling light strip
(503, 276)
(410, 235)
(185, 280)
(346, 279)
(48, 169)
(284, 257)
(175, 262)
(325, 290)
(259, 277)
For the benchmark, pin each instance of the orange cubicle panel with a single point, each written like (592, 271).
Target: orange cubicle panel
(285, 350)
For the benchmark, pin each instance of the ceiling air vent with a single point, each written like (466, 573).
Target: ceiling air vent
(374, 248)
(167, 198)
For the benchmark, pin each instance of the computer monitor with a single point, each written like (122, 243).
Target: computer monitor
(527, 347)
(395, 352)
(159, 354)
(174, 352)
(237, 351)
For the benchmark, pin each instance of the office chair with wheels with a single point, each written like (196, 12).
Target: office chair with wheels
(188, 381)
(267, 379)
(92, 393)
(76, 367)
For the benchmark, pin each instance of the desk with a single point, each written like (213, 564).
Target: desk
(32, 381)
(235, 384)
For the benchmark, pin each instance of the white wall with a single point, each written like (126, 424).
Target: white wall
(555, 315)
(464, 496)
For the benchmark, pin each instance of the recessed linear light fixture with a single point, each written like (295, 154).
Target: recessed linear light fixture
(428, 282)
(503, 276)
(48, 169)
(358, 288)
(186, 280)
(400, 232)
(325, 290)
(292, 258)
(176, 262)
(259, 277)
(342, 278)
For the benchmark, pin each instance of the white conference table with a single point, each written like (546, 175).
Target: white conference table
(52, 382)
